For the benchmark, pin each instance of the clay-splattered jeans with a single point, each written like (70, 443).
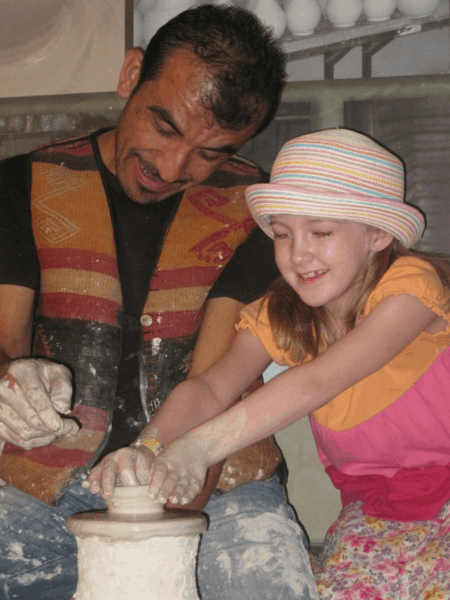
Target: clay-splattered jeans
(253, 548)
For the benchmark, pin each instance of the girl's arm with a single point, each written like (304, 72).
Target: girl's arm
(390, 327)
(209, 391)
(192, 402)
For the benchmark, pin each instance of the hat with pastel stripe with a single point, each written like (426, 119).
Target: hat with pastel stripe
(337, 174)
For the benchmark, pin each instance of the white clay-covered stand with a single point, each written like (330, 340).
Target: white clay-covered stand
(136, 549)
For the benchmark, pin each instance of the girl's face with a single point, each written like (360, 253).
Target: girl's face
(323, 260)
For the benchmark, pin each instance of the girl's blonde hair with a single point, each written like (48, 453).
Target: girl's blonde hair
(305, 331)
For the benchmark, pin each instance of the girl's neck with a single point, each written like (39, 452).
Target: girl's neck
(338, 329)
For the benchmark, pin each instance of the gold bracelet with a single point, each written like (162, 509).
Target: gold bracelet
(151, 443)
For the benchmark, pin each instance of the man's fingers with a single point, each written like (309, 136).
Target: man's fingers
(12, 422)
(36, 441)
(15, 406)
(70, 427)
(25, 380)
(59, 385)
(39, 442)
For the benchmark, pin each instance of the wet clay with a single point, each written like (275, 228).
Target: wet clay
(136, 549)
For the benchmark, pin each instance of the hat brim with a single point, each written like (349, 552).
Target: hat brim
(404, 222)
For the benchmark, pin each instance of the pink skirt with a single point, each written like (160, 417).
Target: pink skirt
(369, 558)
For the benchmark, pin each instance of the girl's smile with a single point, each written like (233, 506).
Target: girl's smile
(311, 277)
(323, 260)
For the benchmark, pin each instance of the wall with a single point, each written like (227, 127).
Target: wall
(61, 46)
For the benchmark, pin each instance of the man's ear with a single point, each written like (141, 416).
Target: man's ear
(380, 239)
(131, 70)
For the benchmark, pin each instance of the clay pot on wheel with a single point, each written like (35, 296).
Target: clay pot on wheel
(136, 549)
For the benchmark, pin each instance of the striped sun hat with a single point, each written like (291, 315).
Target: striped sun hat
(337, 174)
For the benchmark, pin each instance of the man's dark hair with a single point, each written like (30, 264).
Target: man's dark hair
(246, 64)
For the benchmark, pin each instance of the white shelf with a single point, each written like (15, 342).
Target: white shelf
(334, 43)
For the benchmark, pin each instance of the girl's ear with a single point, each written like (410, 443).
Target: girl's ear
(131, 70)
(380, 240)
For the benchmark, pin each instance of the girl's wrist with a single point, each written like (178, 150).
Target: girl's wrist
(203, 447)
(151, 443)
(148, 439)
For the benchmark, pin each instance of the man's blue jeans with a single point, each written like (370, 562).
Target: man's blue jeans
(253, 548)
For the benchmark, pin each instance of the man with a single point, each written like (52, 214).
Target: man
(112, 247)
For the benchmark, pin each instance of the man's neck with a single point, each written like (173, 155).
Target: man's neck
(106, 143)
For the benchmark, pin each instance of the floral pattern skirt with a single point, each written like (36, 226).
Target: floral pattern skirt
(369, 558)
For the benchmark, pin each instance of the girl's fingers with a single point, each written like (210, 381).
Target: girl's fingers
(174, 483)
(191, 491)
(180, 490)
(130, 466)
(162, 482)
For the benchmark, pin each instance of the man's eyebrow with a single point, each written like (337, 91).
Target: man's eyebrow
(165, 115)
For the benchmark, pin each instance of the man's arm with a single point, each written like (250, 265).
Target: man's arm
(32, 392)
(16, 318)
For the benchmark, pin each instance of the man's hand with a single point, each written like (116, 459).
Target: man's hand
(127, 466)
(33, 394)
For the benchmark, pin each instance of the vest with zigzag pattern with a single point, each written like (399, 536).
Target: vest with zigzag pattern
(79, 317)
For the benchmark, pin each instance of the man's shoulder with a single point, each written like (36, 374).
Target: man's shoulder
(237, 171)
(74, 152)
(12, 169)
(80, 152)
(244, 166)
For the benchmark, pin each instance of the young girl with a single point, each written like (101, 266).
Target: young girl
(364, 324)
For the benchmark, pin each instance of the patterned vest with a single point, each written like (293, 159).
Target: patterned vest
(79, 319)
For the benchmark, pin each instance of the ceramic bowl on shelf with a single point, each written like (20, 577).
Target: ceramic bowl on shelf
(323, 7)
(344, 13)
(271, 14)
(302, 16)
(417, 8)
(378, 10)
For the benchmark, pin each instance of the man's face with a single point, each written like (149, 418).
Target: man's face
(165, 141)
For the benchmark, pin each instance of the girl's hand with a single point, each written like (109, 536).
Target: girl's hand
(178, 473)
(127, 466)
